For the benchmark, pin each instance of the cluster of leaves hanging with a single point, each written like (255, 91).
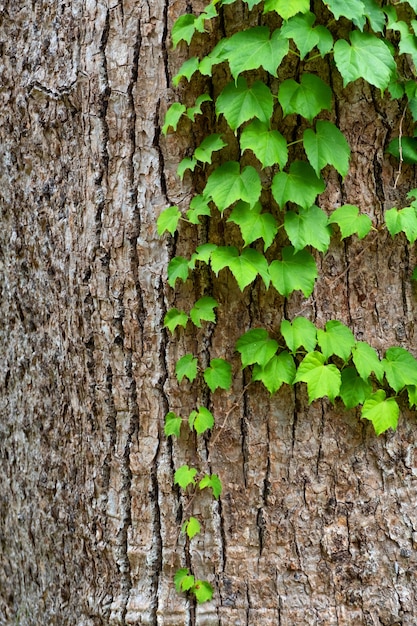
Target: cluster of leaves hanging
(329, 360)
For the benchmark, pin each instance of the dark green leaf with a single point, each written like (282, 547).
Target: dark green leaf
(354, 390)
(352, 9)
(300, 185)
(300, 29)
(308, 227)
(240, 103)
(327, 146)
(306, 98)
(253, 224)
(269, 146)
(404, 149)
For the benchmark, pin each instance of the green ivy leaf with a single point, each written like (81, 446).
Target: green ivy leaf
(269, 146)
(177, 268)
(301, 332)
(245, 267)
(201, 421)
(174, 318)
(212, 481)
(408, 41)
(179, 576)
(336, 339)
(187, 583)
(297, 270)
(308, 227)
(287, 8)
(186, 70)
(354, 389)
(210, 144)
(404, 220)
(218, 375)
(306, 98)
(352, 61)
(412, 395)
(203, 310)
(240, 103)
(300, 185)
(186, 367)
(198, 207)
(327, 146)
(172, 117)
(404, 148)
(381, 412)
(349, 221)
(351, 9)
(279, 369)
(375, 14)
(253, 224)
(172, 424)
(186, 164)
(202, 253)
(366, 361)
(256, 346)
(300, 29)
(168, 220)
(196, 109)
(227, 184)
(203, 591)
(183, 29)
(191, 527)
(400, 368)
(184, 476)
(322, 380)
(261, 49)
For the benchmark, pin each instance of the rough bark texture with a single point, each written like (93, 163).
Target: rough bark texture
(317, 522)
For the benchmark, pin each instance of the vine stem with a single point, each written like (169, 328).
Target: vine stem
(400, 148)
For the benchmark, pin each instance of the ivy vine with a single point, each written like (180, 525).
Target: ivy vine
(328, 360)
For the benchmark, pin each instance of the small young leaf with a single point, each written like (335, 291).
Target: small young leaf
(172, 117)
(168, 220)
(253, 224)
(245, 267)
(280, 369)
(174, 318)
(412, 395)
(227, 184)
(201, 421)
(192, 527)
(172, 424)
(203, 591)
(327, 146)
(186, 70)
(322, 380)
(269, 146)
(240, 103)
(218, 375)
(300, 185)
(349, 221)
(198, 206)
(203, 310)
(212, 481)
(287, 8)
(255, 346)
(336, 339)
(196, 109)
(297, 270)
(301, 332)
(308, 227)
(404, 220)
(187, 583)
(306, 98)
(177, 268)
(381, 412)
(186, 367)
(400, 368)
(210, 144)
(354, 389)
(184, 476)
(179, 576)
(183, 29)
(366, 361)
(202, 253)
(186, 164)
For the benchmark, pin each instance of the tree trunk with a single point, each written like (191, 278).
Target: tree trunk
(317, 521)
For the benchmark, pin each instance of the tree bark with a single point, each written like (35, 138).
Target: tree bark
(317, 521)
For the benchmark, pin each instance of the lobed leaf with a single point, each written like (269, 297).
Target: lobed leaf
(174, 318)
(366, 361)
(173, 116)
(350, 222)
(213, 482)
(261, 49)
(322, 380)
(382, 412)
(297, 270)
(240, 103)
(177, 268)
(256, 346)
(201, 420)
(327, 146)
(168, 220)
(279, 369)
(198, 206)
(253, 224)
(203, 591)
(287, 8)
(184, 476)
(227, 184)
(218, 375)
(203, 310)
(308, 227)
(172, 424)
(187, 69)
(299, 332)
(191, 527)
(354, 389)
(404, 220)
(210, 144)
(300, 185)
(400, 368)
(269, 146)
(307, 98)
(336, 339)
(186, 367)
(202, 253)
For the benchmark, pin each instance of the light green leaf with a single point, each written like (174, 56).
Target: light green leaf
(375, 14)
(240, 103)
(198, 207)
(354, 389)
(260, 50)
(187, 583)
(191, 527)
(184, 476)
(352, 61)
(325, 43)
(322, 380)
(287, 8)
(186, 367)
(381, 412)
(412, 395)
(352, 9)
(245, 267)
(227, 184)
(297, 270)
(186, 164)
(212, 481)
(300, 185)
(256, 346)
(279, 369)
(202, 253)
(308, 227)
(203, 591)
(404, 220)
(300, 29)
(222, 257)
(210, 144)
(174, 318)
(179, 576)
(408, 41)
(404, 149)
(196, 109)
(327, 146)
(269, 146)
(400, 368)
(203, 310)
(201, 421)
(168, 220)
(306, 98)
(186, 70)
(172, 424)
(172, 117)
(218, 375)
(299, 332)
(253, 224)
(349, 221)
(183, 29)
(177, 268)
(336, 339)
(366, 361)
